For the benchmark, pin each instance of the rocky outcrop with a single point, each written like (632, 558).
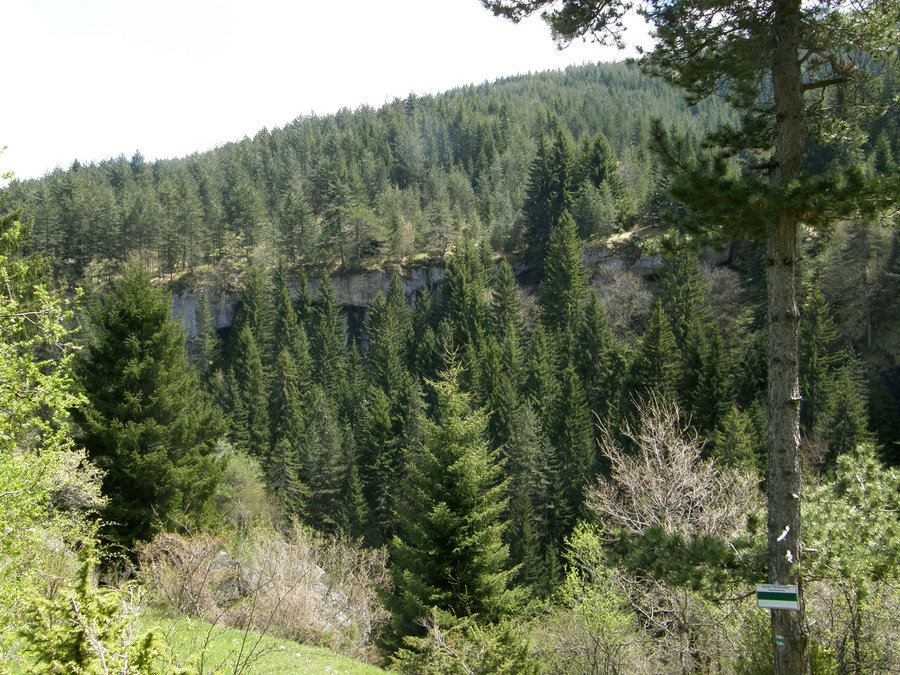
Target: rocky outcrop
(354, 291)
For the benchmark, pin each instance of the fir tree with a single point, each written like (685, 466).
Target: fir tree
(329, 344)
(251, 388)
(282, 466)
(656, 363)
(147, 423)
(564, 289)
(448, 553)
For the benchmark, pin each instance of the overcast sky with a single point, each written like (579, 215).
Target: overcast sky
(92, 79)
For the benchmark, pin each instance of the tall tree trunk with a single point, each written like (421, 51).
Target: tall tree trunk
(789, 631)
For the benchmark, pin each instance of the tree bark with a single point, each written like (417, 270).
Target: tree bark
(789, 631)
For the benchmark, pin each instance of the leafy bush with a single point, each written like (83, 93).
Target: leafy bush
(81, 629)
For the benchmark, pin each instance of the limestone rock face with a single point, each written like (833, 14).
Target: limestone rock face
(354, 291)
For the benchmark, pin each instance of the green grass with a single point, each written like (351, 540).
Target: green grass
(216, 649)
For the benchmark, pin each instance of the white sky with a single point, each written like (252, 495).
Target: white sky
(92, 79)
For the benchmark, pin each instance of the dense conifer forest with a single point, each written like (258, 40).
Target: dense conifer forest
(550, 460)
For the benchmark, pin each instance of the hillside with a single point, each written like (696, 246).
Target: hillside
(450, 364)
(400, 181)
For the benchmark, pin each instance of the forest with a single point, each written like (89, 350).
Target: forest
(551, 460)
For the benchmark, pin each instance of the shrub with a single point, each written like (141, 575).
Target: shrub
(305, 586)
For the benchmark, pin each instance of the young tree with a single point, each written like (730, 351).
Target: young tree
(448, 554)
(777, 62)
(146, 422)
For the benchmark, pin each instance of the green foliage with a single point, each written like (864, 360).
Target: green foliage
(851, 519)
(564, 288)
(448, 552)
(466, 648)
(81, 629)
(146, 421)
(851, 522)
(550, 187)
(48, 486)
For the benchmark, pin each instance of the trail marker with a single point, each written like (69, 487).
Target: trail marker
(777, 596)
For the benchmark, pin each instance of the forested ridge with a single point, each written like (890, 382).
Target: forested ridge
(503, 446)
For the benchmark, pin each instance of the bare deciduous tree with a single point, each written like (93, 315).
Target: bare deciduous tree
(667, 482)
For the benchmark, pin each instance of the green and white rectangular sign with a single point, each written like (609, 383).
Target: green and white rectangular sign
(776, 596)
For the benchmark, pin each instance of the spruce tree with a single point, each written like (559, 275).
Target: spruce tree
(598, 361)
(505, 305)
(285, 327)
(463, 292)
(565, 285)
(597, 164)
(250, 382)
(282, 466)
(819, 356)
(329, 343)
(550, 188)
(323, 470)
(656, 363)
(574, 447)
(146, 422)
(448, 554)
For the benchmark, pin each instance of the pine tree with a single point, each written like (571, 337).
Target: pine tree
(759, 182)
(147, 423)
(251, 387)
(564, 289)
(550, 188)
(282, 466)
(656, 363)
(323, 470)
(329, 343)
(448, 553)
